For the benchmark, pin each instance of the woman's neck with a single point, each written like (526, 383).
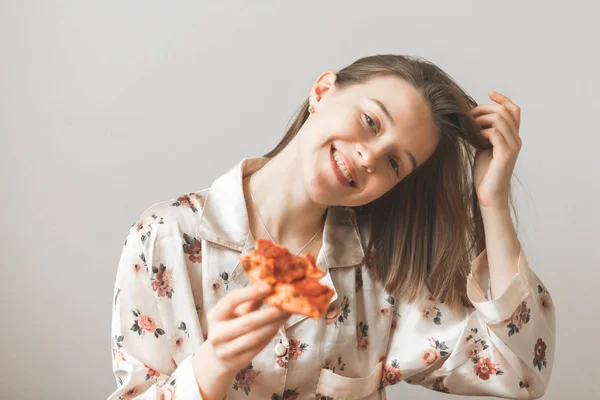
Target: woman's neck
(290, 216)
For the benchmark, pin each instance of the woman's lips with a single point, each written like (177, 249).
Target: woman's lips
(336, 169)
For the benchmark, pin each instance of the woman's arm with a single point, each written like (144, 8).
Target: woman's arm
(493, 169)
(142, 361)
(213, 381)
(502, 246)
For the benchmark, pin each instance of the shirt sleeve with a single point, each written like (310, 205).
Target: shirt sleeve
(503, 347)
(141, 356)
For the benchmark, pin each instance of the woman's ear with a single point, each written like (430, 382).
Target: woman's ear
(324, 85)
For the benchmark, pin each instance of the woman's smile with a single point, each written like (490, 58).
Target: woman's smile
(342, 168)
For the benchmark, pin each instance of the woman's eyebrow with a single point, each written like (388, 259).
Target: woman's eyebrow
(384, 110)
(413, 161)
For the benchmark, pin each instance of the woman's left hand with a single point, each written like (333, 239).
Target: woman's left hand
(493, 167)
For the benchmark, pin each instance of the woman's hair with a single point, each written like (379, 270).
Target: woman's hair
(428, 227)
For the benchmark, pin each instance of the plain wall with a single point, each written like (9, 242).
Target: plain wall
(107, 107)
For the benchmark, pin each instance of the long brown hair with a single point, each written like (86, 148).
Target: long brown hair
(427, 228)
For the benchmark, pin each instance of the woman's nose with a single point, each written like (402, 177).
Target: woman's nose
(367, 157)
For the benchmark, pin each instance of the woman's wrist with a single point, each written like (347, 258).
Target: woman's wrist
(212, 378)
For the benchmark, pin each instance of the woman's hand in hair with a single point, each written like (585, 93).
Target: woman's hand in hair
(494, 167)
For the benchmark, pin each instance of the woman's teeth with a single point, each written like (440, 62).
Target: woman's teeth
(340, 164)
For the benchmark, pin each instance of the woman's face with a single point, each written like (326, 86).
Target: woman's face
(377, 148)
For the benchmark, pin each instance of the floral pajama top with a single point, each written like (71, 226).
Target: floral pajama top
(182, 255)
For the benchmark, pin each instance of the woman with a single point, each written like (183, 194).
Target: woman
(378, 178)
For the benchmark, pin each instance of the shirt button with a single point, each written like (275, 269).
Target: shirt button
(280, 349)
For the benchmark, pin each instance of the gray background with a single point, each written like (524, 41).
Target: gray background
(107, 107)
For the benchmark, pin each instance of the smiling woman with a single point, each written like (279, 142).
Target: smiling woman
(386, 177)
(411, 137)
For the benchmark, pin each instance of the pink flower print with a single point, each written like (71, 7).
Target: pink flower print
(193, 247)
(140, 225)
(162, 281)
(473, 337)
(484, 368)
(333, 313)
(384, 311)
(539, 353)
(440, 347)
(363, 343)
(431, 312)
(520, 317)
(151, 373)
(391, 374)
(343, 315)
(180, 340)
(186, 201)
(282, 361)
(167, 393)
(245, 378)
(474, 349)
(145, 324)
(430, 356)
(216, 285)
(179, 343)
(116, 348)
(137, 267)
(296, 349)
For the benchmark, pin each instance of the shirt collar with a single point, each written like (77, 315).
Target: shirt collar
(224, 219)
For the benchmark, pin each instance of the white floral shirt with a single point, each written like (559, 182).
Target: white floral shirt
(182, 256)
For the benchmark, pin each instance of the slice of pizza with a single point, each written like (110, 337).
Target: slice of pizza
(294, 279)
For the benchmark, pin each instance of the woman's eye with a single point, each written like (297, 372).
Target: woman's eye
(370, 121)
(397, 168)
(374, 125)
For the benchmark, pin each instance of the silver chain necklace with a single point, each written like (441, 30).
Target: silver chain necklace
(265, 226)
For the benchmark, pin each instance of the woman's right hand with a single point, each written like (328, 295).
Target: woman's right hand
(238, 329)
